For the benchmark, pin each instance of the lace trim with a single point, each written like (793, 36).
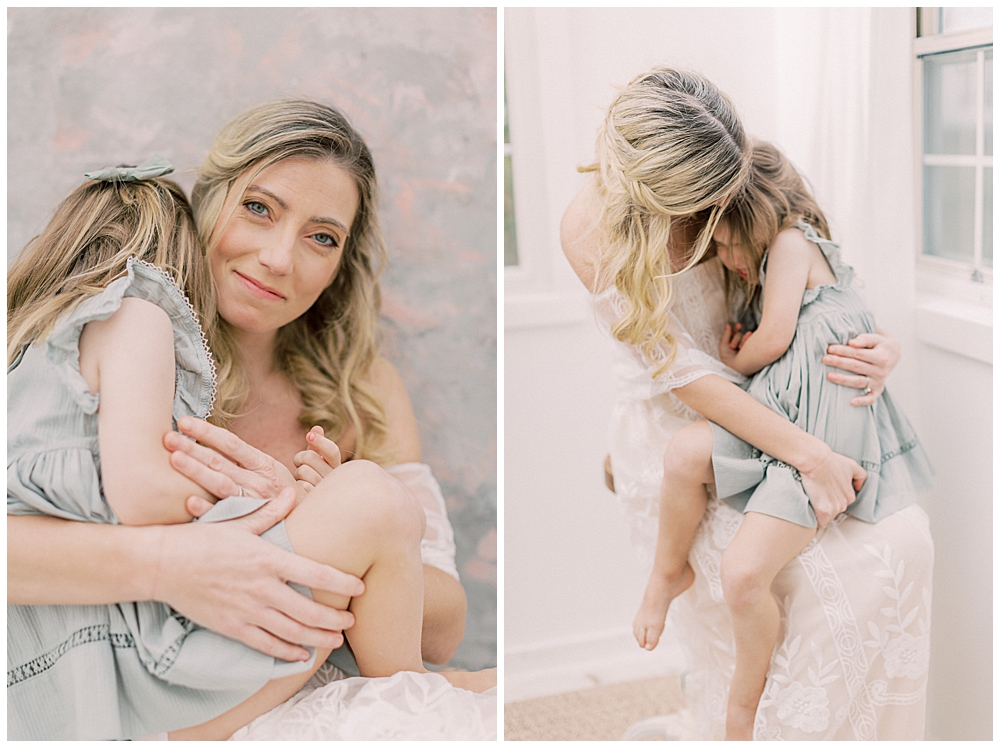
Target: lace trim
(195, 317)
(86, 635)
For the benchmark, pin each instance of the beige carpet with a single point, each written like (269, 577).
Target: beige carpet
(602, 713)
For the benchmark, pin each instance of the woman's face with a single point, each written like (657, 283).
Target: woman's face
(729, 254)
(283, 244)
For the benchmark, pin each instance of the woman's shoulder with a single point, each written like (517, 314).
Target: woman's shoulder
(580, 234)
(402, 439)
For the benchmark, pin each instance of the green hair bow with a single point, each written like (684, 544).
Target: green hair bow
(157, 166)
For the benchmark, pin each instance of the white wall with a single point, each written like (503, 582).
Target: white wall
(570, 576)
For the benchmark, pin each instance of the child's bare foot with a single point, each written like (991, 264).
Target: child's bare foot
(477, 680)
(739, 723)
(660, 592)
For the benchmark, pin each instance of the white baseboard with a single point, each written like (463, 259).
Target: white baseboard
(584, 662)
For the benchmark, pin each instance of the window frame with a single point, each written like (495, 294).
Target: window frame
(541, 290)
(969, 281)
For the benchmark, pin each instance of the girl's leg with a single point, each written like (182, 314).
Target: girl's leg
(687, 468)
(359, 520)
(762, 547)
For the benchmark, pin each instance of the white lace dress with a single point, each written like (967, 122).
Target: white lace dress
(852, 656)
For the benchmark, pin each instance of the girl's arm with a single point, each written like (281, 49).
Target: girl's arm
(241, 589)
(827, 477)
(788, 265)
(129, 359)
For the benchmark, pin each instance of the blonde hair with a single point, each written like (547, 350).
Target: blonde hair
(671, 147)
(328, 352)
(773, 199)
(87, 244)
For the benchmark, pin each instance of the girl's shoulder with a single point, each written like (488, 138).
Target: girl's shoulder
(146, 282)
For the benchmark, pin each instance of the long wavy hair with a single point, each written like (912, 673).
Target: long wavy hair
(774, 198)
(670, 154)
(328, 352)
(86, 246)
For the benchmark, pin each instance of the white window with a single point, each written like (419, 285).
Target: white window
(539, 286)
(509, 222)
(954, 96)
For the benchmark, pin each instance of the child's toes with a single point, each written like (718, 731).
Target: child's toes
(647, 636)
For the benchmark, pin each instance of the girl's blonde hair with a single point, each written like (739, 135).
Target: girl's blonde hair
(328, 352)
(774, 198)
(87, 244)
(671, 147)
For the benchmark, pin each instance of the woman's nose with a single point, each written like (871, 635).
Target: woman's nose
(277, 254)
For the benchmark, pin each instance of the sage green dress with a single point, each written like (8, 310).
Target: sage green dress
(110, 671)
(878, 437)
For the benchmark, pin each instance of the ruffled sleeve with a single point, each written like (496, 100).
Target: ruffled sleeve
(195, 369)
(438, 545)
(691, 360)
(843, 272)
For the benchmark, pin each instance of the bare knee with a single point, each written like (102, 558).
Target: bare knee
(742, 584)
(689, 456)
(374, 498)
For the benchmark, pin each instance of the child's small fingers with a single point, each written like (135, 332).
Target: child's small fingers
(313, 460)
(325, 448)
(306, 474)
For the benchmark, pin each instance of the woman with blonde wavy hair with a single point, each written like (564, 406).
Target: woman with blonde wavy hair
(671, 155)
(286, 211)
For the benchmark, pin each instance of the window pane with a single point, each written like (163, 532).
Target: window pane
(949, 211)
(960, 19)
(988, 217)
(506, 129)
(950, 102)
(509, 235)
(988, 114)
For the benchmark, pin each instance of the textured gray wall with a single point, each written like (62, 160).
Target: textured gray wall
(89, 87)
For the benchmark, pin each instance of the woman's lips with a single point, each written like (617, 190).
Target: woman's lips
(259, 289)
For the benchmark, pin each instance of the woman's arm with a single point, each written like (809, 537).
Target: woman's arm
(129, 359)
(241, 589)
(827, 477)
(445, 603)
(788, 265)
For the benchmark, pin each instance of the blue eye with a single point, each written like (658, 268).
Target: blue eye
(255, 207)
(326, 240)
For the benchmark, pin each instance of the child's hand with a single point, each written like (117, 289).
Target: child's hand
(317, 461)
(731, 344)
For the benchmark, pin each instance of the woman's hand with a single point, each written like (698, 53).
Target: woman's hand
(828, 482)
(225, 578)
(869, 358)
(230, 464)
(317, 461)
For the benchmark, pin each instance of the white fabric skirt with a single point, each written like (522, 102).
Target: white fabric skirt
(852, 655)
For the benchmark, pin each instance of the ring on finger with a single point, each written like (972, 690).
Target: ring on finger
(243, 491)
(868, 385)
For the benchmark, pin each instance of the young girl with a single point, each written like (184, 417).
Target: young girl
(808, 304)
(105, 355)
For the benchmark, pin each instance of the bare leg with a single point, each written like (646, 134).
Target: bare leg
(687, 468)
(361, 521)
(762, 547)
(444, 616)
